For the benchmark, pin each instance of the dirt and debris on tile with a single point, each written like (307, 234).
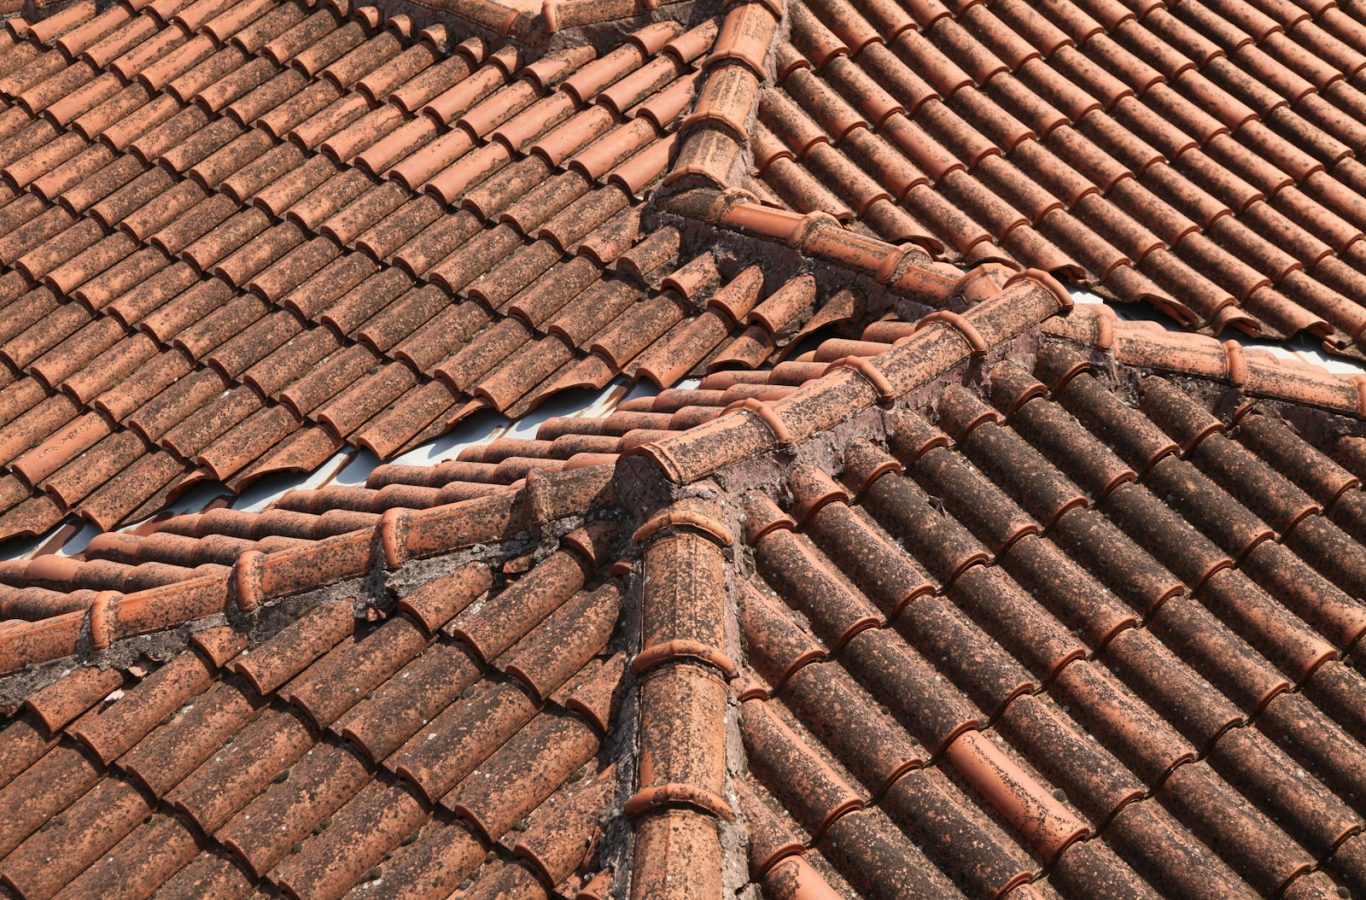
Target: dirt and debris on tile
(910, 576)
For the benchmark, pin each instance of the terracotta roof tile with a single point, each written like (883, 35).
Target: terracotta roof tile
(1196, 159)
(222, 200)
(982, 662)
(1156, 752)
(1009, 597)
(334, 673)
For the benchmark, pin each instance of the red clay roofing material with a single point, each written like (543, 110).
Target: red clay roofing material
(1089, 554)
(1198, 156)
(682, 669)
(183, 566)
(936, 344)
(1078, 617)
(278, 554)
(237, 237)
(454, 744)
(1010, 598)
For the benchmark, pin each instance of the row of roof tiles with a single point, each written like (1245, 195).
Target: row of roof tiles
(147, 572)
(406, 536)
(1201, 158)
(1092, 740)
(1052, 643)
(328, 304)
(455, 744)
(347, 69)
(527, 22)
(1091, 631)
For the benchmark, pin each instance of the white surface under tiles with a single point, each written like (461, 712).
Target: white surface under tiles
(1301, 348)
(351, 467)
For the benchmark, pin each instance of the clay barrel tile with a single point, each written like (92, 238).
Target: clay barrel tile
(289, 652)
(677, 855)
(685, 586)
(682, 752)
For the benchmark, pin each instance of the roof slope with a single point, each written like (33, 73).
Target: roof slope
(1010, 598)
(1197, 156)
(239, 235)
(456, 742)
(1078, 613)
(1062, 638)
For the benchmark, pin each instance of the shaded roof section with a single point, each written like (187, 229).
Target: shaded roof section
(1079, 613)
(1054, 641)
(239, 236)
(1202, 158)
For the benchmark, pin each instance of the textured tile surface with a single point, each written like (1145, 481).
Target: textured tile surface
(1082, 617)
(1040, 647)
(1197, 156)
(455, 744)
(1010, 597)
(239, 236)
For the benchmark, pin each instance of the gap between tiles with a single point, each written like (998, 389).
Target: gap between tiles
(350, 467)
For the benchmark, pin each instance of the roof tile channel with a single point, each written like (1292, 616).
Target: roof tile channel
(1199, 158)
(309, 762)
(278, 300)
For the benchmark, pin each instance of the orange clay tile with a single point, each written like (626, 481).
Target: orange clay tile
(269, 110)
(1084, 143)
(936, 583)
(832, 770)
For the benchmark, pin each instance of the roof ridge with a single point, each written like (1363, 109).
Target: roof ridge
(1255, 371)
(903, 268)
(940, 342)
(258, 577)
(717, 132)
(683, 666)
(713, 138)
